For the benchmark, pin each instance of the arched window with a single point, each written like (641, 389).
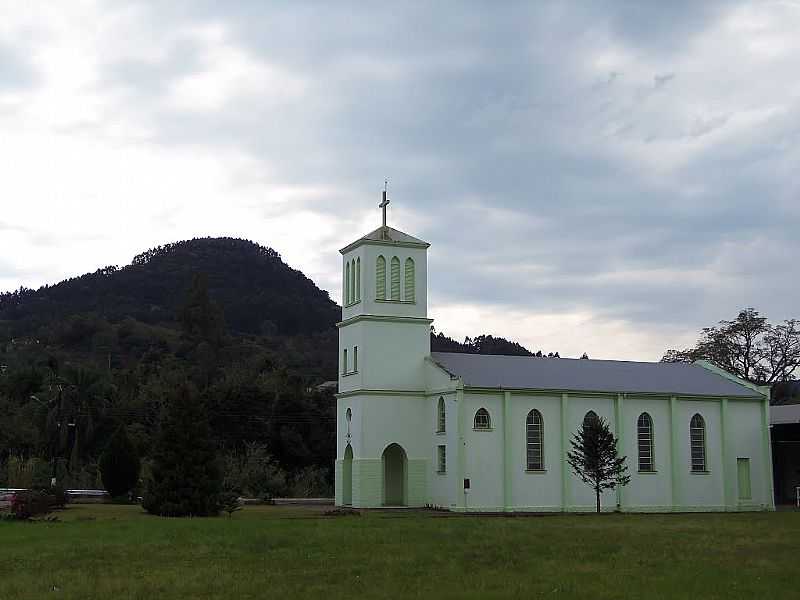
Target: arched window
(410, 280)
(482, 420)
(590, 417)
(534, 440)
(347, 283)
(644, 428)
(348, 417)
(380, 278)
(441, 423)
(358, 279)
(395, 278)
(697, 442)
(353, 281)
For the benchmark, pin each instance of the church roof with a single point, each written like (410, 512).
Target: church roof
(387, 235)
(569, 374)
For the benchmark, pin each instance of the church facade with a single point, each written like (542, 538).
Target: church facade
(490, 433)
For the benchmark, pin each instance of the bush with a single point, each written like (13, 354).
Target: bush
(58, 494)
(254, 473)
(119, 464)
(312, 482)
(31, 503)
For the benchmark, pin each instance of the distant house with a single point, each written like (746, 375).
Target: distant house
(328, 386)
(785, 428)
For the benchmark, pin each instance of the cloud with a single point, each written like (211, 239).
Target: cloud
(628, 169)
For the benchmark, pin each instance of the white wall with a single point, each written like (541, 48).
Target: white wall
(535, 490)
(653, 490)
(483, 453)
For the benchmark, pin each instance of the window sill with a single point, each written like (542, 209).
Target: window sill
(536, 471)
(384, 301)
(356, 303)
(700, 472)
(440, 432)
(482, 429)
(350, 373)
(651, 472)
(441, 472)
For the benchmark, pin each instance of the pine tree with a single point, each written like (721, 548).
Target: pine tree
(186, 476)
(594, 457)
(120, 464)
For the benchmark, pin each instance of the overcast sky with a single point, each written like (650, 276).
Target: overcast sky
(600, 177)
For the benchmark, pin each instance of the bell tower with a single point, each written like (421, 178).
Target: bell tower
(384, 332)
(384, 341)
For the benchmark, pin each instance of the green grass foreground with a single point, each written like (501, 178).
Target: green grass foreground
(117, 552)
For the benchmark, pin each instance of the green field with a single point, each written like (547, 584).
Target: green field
(115, 552)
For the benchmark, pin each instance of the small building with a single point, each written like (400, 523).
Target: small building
(490, 433)
(785, 426)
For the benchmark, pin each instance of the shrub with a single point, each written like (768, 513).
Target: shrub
(312, 482)
(254, 473)
(31, 503)
(119, 464)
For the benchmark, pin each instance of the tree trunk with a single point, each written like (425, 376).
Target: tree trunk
(597, 494)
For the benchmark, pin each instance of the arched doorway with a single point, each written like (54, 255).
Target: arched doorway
(347, 477)
(394, 476)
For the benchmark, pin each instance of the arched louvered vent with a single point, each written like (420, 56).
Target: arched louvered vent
(409, 280)
(395, 278)
(380, 278)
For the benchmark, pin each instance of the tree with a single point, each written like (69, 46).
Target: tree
(749, 347)
(594, 457)
(120, 464)
(186, 477)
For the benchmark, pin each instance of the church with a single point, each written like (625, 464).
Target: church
(482, 433)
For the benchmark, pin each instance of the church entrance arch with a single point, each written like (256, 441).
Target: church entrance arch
(394, 475)
(347, 477)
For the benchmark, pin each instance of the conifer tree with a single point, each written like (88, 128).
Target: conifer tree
(594, 457)
(186, 476)
(119, 464)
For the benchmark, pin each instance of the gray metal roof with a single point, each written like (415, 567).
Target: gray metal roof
(784, 413)
(523, 372)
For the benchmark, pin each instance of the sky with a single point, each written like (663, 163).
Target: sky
(600, 177)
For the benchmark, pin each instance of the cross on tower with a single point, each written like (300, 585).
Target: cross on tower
(385, 202)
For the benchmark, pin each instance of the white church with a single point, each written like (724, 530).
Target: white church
(481, 433)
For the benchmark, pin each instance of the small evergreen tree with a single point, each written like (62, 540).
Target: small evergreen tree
(120, 464)
(186, 477)
(594, 457)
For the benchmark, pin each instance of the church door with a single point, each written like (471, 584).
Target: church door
(394, 476)
(347, 477)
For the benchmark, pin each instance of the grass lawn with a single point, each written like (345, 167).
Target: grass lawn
(115, 552)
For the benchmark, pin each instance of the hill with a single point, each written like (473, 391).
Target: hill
(258, 292)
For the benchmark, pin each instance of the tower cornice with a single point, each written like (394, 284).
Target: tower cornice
(385, 319)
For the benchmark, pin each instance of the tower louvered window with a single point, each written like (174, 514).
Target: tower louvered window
(395, 278)
(409, 280)
(358, 279)
(380, 278)
(347, 283)
(644, 428)
(697, 442)
(534, 438)
(353, 281)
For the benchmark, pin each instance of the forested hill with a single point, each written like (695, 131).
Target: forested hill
(258, 292)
